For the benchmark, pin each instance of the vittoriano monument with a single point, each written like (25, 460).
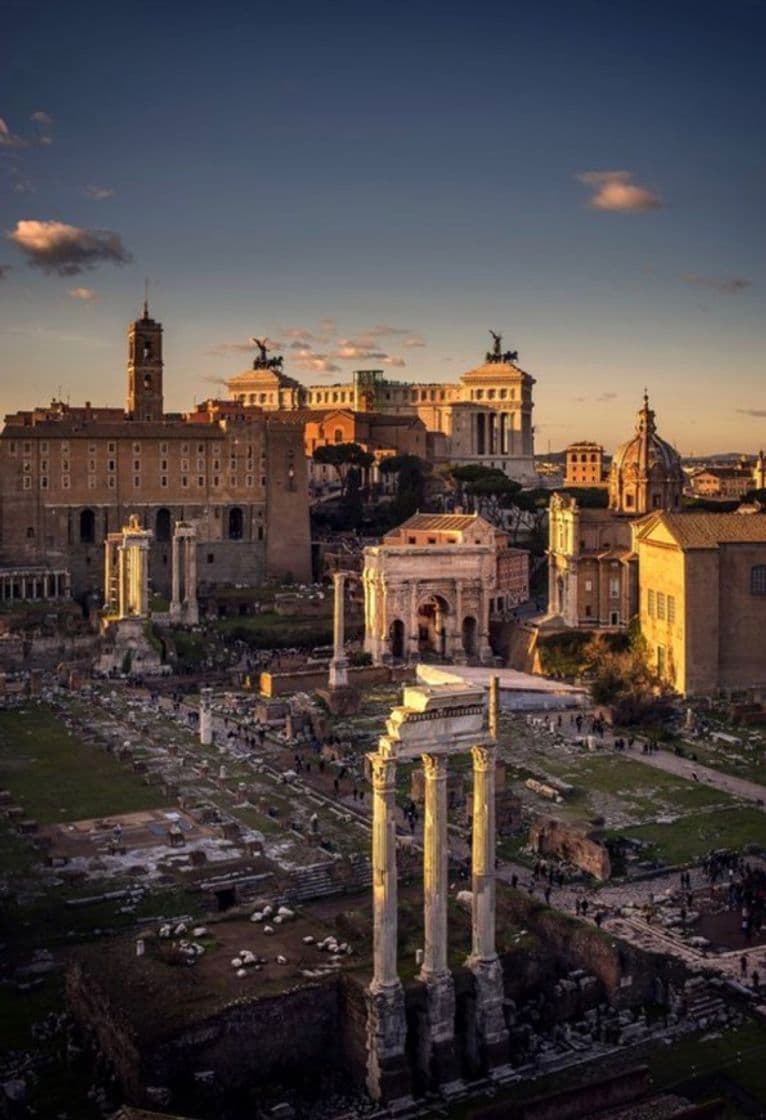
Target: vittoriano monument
(434, 721)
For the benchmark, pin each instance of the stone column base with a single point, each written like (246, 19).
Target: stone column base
(341, 701)
(491, 1031)
(388, 1074)
(438, 1057)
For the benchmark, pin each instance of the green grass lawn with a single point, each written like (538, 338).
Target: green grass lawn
(54, 776)
(690, 837)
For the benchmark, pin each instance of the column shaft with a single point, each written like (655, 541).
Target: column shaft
(483, 854)
(435, 853)
(385, 972)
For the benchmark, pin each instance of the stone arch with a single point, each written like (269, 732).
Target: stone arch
(470, 636)
(87, 526)
(398, 637)
(433, 613)
(162, 525)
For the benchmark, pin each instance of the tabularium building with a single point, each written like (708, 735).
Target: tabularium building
(592, 564)
(485, 417)
(72, 474)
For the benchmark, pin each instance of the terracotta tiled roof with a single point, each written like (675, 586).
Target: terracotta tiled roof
(446, 521)
(708, 530)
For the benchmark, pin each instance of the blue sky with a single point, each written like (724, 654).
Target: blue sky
(393, 179)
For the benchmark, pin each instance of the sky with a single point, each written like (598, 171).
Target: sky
(377, 184)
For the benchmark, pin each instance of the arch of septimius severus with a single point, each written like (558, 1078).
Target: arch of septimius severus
(434, 722)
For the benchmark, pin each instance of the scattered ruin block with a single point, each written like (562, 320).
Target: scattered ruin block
(575, 842)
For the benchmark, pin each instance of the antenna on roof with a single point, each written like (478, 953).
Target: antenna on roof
(146, 297)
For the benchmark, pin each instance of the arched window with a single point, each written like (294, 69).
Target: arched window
(338, 435)
(87, 526)
(162, 525)
(236, 524)
(758, 579)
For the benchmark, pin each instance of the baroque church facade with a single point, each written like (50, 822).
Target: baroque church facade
(483, 418)
(71, 474)
(592, 560)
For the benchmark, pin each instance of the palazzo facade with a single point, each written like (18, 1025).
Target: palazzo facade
(71, 475)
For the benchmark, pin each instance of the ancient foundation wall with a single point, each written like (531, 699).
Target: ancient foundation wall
(306, 680)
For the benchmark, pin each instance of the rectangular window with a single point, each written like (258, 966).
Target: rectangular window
(111, 482)
(65, 464)
(184, 481)
(110, 466)
(661, 605)
(671, 609)
(65, 447)
(27, 483)
(111, 447)
(65, 482)
(248, 480)
(91, 466)
(44, 447)
(43, 482)
(614, 587)
(27, 448)
(91, 482)
(163, 449)
(43, 464)
(650, 605)
(92, 449)
(200, 481)
(136, 448)
(589, 585)
(184, 464)
(163, 480)
(136, 481)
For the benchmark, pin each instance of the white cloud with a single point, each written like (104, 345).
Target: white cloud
(613, 190)
(9, 139)
(98, 194)
(64, 249)
(86, 295)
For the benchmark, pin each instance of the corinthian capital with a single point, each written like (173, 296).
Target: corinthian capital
(382, 773)
(434, 766)
(483, 758)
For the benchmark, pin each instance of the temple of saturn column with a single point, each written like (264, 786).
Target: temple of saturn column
(339, 663)
(433, 722)
(126, 572)
(183, 601)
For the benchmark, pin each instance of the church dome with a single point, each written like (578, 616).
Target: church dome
(646, 472)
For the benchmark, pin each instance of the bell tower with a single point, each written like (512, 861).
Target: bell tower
(145, 368)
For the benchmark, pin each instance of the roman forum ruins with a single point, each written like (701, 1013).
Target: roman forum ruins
(435, 721)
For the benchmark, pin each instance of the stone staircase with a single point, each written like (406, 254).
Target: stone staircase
(318, 881)
(703, 1004)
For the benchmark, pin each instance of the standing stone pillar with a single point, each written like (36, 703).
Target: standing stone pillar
(387, 1074)
(491, 1031)
(190, 604)
(205, 717)
(437, 1044)
(412, 629)
(339, 663)
(175, 577)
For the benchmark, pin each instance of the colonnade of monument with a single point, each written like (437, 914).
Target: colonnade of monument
(434, 722)
(492, 433)
(126, 571)
(183, 599)
(30, 584)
